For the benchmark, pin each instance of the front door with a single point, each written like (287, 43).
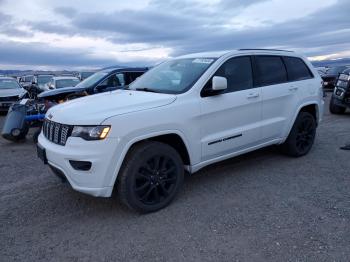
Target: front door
(230, 121)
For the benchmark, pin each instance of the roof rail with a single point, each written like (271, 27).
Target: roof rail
(263, 49)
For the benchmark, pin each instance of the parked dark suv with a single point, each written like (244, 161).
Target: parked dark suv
(330, 77)
(341, 96)
(102, 81)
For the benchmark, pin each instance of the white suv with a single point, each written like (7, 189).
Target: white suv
(184, 114)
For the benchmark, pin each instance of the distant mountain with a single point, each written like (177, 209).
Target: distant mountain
(330, 63)
(32, 72)
(49, 72)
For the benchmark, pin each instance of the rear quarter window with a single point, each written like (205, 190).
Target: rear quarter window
(297, 69)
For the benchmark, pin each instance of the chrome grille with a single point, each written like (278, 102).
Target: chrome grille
(55, 132)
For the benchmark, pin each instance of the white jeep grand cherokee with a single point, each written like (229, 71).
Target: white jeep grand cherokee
(184, 114)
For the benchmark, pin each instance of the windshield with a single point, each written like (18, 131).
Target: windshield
(347, 71)
(8, 84)
(92, 80)
(28, 78)
(174, 76)
(44, 79)
(336, 70)
(85, 74)
(66, 83)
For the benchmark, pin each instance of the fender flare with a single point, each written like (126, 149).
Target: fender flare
(309, 103)
(137, 139)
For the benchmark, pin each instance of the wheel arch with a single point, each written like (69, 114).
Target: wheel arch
(174, 138)
(311, 107)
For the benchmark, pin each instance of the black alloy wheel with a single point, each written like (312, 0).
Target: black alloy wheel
(150, 177)
(305, 135)
(302, 136)
(155, 180)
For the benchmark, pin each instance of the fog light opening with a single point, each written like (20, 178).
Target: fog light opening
(80, 165)
(15, 132)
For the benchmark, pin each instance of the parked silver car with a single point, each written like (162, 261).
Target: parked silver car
(41, 80)
(10, 92)
(62, 81)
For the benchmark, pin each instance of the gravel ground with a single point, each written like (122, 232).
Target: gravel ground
(262, 206)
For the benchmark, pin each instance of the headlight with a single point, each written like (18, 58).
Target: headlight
(91, 132)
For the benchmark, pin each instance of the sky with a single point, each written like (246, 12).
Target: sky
(83, 34)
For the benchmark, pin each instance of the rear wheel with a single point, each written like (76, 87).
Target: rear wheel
(301, 137)
(151, 176)
(335, 109)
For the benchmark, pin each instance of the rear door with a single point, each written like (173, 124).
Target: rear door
(279, 96)
(300, 77)
(230, 121)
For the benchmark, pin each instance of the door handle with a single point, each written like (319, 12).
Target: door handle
(253, 95)
(293, 88)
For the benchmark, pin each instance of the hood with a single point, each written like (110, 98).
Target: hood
(43, 86)
(59, 91)
(330, 76)
(93, 110)
(12, 92)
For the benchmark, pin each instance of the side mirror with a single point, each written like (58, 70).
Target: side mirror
(219, 83)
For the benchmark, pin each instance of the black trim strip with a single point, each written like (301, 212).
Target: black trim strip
(224, 139)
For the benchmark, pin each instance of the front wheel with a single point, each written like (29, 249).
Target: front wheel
(301, 137)
(151, 176)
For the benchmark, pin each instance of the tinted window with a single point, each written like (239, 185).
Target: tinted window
(112, 81)
(66, 83)
(92, 80)
(296, 68)
(130, 77)
(270, 70)
(238, 72)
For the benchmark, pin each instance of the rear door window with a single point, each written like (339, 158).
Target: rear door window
(297, 69)
(270, 70)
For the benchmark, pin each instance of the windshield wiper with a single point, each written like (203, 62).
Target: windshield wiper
(146, 89)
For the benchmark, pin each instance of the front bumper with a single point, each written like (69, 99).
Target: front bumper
(341, 101)
(96, 180)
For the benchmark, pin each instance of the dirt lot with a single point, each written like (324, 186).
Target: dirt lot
(262, 206)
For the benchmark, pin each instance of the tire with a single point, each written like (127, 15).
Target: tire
(23, 134)
(335, 109)
(301, 137)
(150, 177)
